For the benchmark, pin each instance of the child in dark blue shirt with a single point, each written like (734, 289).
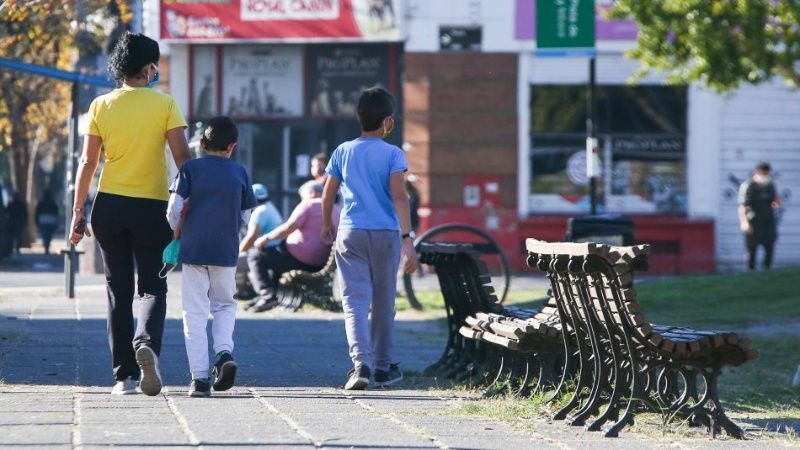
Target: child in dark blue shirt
(211, 199)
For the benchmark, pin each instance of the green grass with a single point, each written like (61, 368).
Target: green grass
(758, 393)
(731, 299)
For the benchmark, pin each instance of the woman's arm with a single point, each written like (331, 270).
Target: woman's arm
(176, 138)
(252, 233)
(90, 158)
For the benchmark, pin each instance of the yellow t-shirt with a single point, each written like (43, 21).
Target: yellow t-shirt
(133, 122)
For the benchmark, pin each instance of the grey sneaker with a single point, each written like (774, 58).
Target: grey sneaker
(387, 378)
(150, 383)
(124, 387)
(358, 379)
(200, 388)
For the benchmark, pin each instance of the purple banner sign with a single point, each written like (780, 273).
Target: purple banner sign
(606, 30)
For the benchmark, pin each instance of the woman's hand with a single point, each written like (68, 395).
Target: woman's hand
(261, 242)
(78, 219)
(326, 234)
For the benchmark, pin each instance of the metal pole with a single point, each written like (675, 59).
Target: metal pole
(71, 256)
(590, 131)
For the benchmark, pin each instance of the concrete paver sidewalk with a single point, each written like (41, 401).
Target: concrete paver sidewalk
(55, 367)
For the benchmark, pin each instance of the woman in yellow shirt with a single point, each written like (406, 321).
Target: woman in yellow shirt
(131, 124)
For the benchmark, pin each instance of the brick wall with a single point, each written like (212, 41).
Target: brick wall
(461, 120)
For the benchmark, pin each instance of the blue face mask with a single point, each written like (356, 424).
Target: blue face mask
(153, 83)
(170, 257)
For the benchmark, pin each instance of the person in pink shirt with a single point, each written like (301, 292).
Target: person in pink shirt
(302, 249)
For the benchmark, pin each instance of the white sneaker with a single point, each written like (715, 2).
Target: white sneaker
(150, 382)
(124, 387)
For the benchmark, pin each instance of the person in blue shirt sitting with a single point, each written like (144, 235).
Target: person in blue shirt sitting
(264, 219)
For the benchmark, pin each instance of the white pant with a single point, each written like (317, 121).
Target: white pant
(207, 288)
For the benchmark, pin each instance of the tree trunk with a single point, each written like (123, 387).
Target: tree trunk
(20, 161)
(30, 188)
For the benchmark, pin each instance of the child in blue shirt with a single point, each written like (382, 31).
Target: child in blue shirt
(374, 230)
(217, 197)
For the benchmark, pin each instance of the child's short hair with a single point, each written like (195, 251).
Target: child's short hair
(374, 105)
(320, 157)
(220, 132)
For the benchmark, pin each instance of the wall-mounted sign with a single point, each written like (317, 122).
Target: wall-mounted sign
(280, 20)
(605, 29)
(338, 73)
(460, 39)
(565, 26)
(262, 80)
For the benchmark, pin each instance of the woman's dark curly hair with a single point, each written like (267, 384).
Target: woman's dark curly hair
(131, 54)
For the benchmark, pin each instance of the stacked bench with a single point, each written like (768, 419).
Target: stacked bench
(590, 341)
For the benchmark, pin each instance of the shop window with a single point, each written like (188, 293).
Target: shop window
(642, 133)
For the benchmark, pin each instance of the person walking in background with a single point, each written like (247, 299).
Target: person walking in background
(131, 124)
(46, 219)
(757, 200)
(219, 197)
(374, 230)
(318, 164)
(17, 211)
(302, 248)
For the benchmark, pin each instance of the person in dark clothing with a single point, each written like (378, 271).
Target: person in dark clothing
(5, 239)
(17, 219)
(757, 198)
(47, 219)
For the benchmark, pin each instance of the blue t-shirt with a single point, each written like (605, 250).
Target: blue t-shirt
(217, 190)
(364, 165)
(267, 217)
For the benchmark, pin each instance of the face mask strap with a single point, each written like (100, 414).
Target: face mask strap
(168, 267)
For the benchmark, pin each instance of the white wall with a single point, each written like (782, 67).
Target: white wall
(495, 16)
(759, 123)
(703, 153)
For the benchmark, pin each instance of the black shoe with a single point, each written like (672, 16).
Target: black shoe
(200, 388)
(224, 372)
(359, 379)
(264, 304)
(390, 377)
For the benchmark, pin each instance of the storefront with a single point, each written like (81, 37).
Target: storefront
(289, 73)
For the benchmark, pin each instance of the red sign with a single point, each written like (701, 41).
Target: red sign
(280, 20)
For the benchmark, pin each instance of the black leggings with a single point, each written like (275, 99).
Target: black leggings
(132, 233)
(752, 244)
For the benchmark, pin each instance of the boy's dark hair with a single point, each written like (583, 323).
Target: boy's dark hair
(131, 54)
(763, 166)
(320, 157)
(374, 105)
(220, 132)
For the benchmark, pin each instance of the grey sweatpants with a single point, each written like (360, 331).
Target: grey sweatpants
(368, 261)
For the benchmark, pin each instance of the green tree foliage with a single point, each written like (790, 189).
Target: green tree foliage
(721, 43)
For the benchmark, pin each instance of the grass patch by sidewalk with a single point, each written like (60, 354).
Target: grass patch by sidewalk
(433, 302)
(758, 394)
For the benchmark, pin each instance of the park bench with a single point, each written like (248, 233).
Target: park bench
(487, 342)
(297, 287)
(625, 364)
